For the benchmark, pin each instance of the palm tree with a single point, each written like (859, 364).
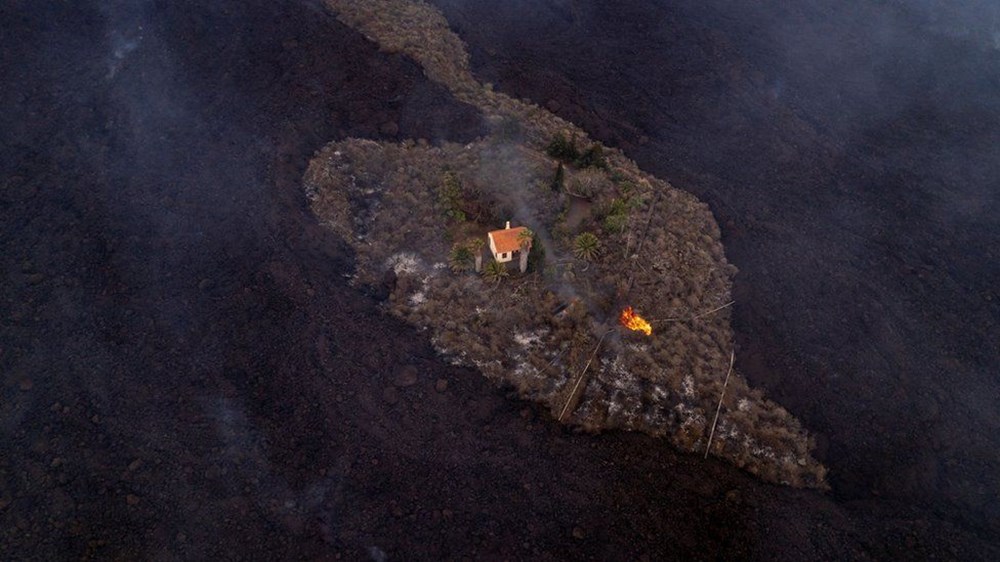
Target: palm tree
(586, 246)
(495, 272)
(460, 258)
(476, 246)
(524, 240)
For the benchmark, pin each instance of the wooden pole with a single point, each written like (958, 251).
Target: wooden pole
(569, 399)
(645, 232)
(732, 358)
(697, 316)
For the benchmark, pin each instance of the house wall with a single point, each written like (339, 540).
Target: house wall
(497, 256)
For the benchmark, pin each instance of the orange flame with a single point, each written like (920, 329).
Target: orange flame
(633, 321)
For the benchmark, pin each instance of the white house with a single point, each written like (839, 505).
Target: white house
(505, 243)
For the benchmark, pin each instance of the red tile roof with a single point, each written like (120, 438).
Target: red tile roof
(506, 239)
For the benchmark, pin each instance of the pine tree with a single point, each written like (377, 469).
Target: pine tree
(559, 179)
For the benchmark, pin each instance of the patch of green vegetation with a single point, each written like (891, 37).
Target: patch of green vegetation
(461, 258)
(450, 197)
(566, 151)
(536, 259)
(588, 184)
(587, 246)
(593, 157)
(616, 215)
(495, 271)
(563, 149)
(615, 223)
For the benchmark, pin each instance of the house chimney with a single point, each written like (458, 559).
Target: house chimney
(508, 226)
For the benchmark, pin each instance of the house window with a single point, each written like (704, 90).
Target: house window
(503, 256)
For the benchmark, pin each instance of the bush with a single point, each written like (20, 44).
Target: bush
(562, 149)
(536, 259)
(615, 216)
(586, 246)
(588, 183)
(495, 271)
(617, 176)
(625, 187)
(592, 158)
(450, 197)
(461, 258)
(618, 207)
(615, 223)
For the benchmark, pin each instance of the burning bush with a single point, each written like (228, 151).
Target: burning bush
(633, 321)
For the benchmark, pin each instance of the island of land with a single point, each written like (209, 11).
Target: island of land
(610, 300)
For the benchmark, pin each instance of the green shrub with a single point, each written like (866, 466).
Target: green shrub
(536, 259)
(495, 271)
(593, 157)
(450, 197)
(615, 223)
(588, 183)
(562, 149)
(461, 258)
(586, 246)
(615, 215)
(625, 187)
(618, 207)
